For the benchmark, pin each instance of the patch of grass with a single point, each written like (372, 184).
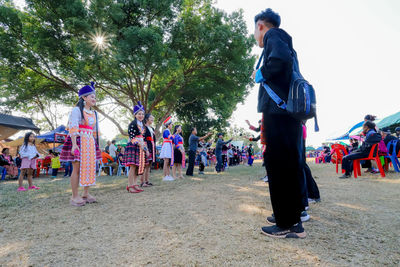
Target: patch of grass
(213, 219)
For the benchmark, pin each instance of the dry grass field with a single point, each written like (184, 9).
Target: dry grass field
(211, 220)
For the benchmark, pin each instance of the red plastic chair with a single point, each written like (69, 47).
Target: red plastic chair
(373, 155)
(340, 152)
(39, 164)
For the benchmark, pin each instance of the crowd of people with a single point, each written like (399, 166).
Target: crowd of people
(291, 184)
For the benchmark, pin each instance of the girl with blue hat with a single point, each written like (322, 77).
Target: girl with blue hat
(82, 146)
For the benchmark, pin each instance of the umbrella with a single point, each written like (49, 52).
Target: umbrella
(357, 137)
(310, 148)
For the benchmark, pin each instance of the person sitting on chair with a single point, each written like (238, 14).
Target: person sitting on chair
(108, 161)
(372, 137)
(387, 137)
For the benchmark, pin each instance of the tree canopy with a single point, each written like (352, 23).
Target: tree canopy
(182, 56)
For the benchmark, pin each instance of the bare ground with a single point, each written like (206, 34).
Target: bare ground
(211, 220)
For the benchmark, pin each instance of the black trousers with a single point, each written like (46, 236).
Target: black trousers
(192, 157)
(285, 167)
(54, 172)
(312, 190)
(347, 161)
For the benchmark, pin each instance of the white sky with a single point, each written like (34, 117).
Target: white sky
(348, 50)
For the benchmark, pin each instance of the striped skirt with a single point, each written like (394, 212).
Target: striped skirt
(67, 148)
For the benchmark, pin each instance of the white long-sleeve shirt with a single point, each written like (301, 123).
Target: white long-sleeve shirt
(28, 151)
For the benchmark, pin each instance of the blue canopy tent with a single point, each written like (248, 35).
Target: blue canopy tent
(346, 136)
(50, 136)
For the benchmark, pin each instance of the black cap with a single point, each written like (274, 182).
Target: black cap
(386, 130)
(219, 134)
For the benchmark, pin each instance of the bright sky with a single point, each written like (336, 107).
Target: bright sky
(348, 50)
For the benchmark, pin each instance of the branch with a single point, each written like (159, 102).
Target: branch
(112, 120)
(40, 105)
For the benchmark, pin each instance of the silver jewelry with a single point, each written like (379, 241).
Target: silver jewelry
(88, 111)
(84, 103)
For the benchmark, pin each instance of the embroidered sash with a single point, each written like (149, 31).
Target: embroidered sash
(87, 172)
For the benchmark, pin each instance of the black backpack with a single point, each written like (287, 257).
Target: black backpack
(301, 103)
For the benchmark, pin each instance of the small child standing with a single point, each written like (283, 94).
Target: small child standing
(55, 164)
(29, 154)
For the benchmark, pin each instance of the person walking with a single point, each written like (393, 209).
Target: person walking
(282, 132)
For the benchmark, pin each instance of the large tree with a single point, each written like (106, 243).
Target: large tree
(170, 55)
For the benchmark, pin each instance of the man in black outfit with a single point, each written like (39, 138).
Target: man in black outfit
(283, 133)
(372, 137)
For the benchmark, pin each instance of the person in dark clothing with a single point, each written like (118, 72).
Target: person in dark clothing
(397, 130)
(282, 132)
(327, 152)
(193, 143)
(250, 152)
(372, 137)
(218, 151)
(387, 137)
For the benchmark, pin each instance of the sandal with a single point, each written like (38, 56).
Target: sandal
(89, 199)
(149, 184)
(33, 187)
(132, 187)
(76, 204)
(144, 185)
(137, 188)
(20, 189)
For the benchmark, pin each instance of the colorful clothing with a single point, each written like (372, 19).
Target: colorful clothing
(167, 151)
(134, 154)
(179, 156)
(85, 130)
(11, 169)
(150, 138)
(55, 163)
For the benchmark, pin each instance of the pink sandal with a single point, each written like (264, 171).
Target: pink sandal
(76, 204)
(137, 188)
(20, 189)
(132, 187)
(90, 199)
(33, 187)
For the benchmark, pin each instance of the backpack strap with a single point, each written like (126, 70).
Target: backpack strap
(279, 102)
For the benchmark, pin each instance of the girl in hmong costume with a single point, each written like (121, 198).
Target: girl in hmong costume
(179, 152)
(167, 150)
(82, 147)
(136, 151)
(150, 138)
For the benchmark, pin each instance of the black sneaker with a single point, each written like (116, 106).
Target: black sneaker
(304, 216)
(271, 219)
(296, 231)
(345, 176)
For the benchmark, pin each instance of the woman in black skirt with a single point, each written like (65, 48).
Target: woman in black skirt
(136, 150)
(179, 152)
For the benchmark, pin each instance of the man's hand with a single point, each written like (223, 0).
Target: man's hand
(254, 74)
(247, 121)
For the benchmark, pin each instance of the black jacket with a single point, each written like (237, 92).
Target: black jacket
(148, 137)
(371, 140)
(3, 161)
(133, 130)
(276, 69)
